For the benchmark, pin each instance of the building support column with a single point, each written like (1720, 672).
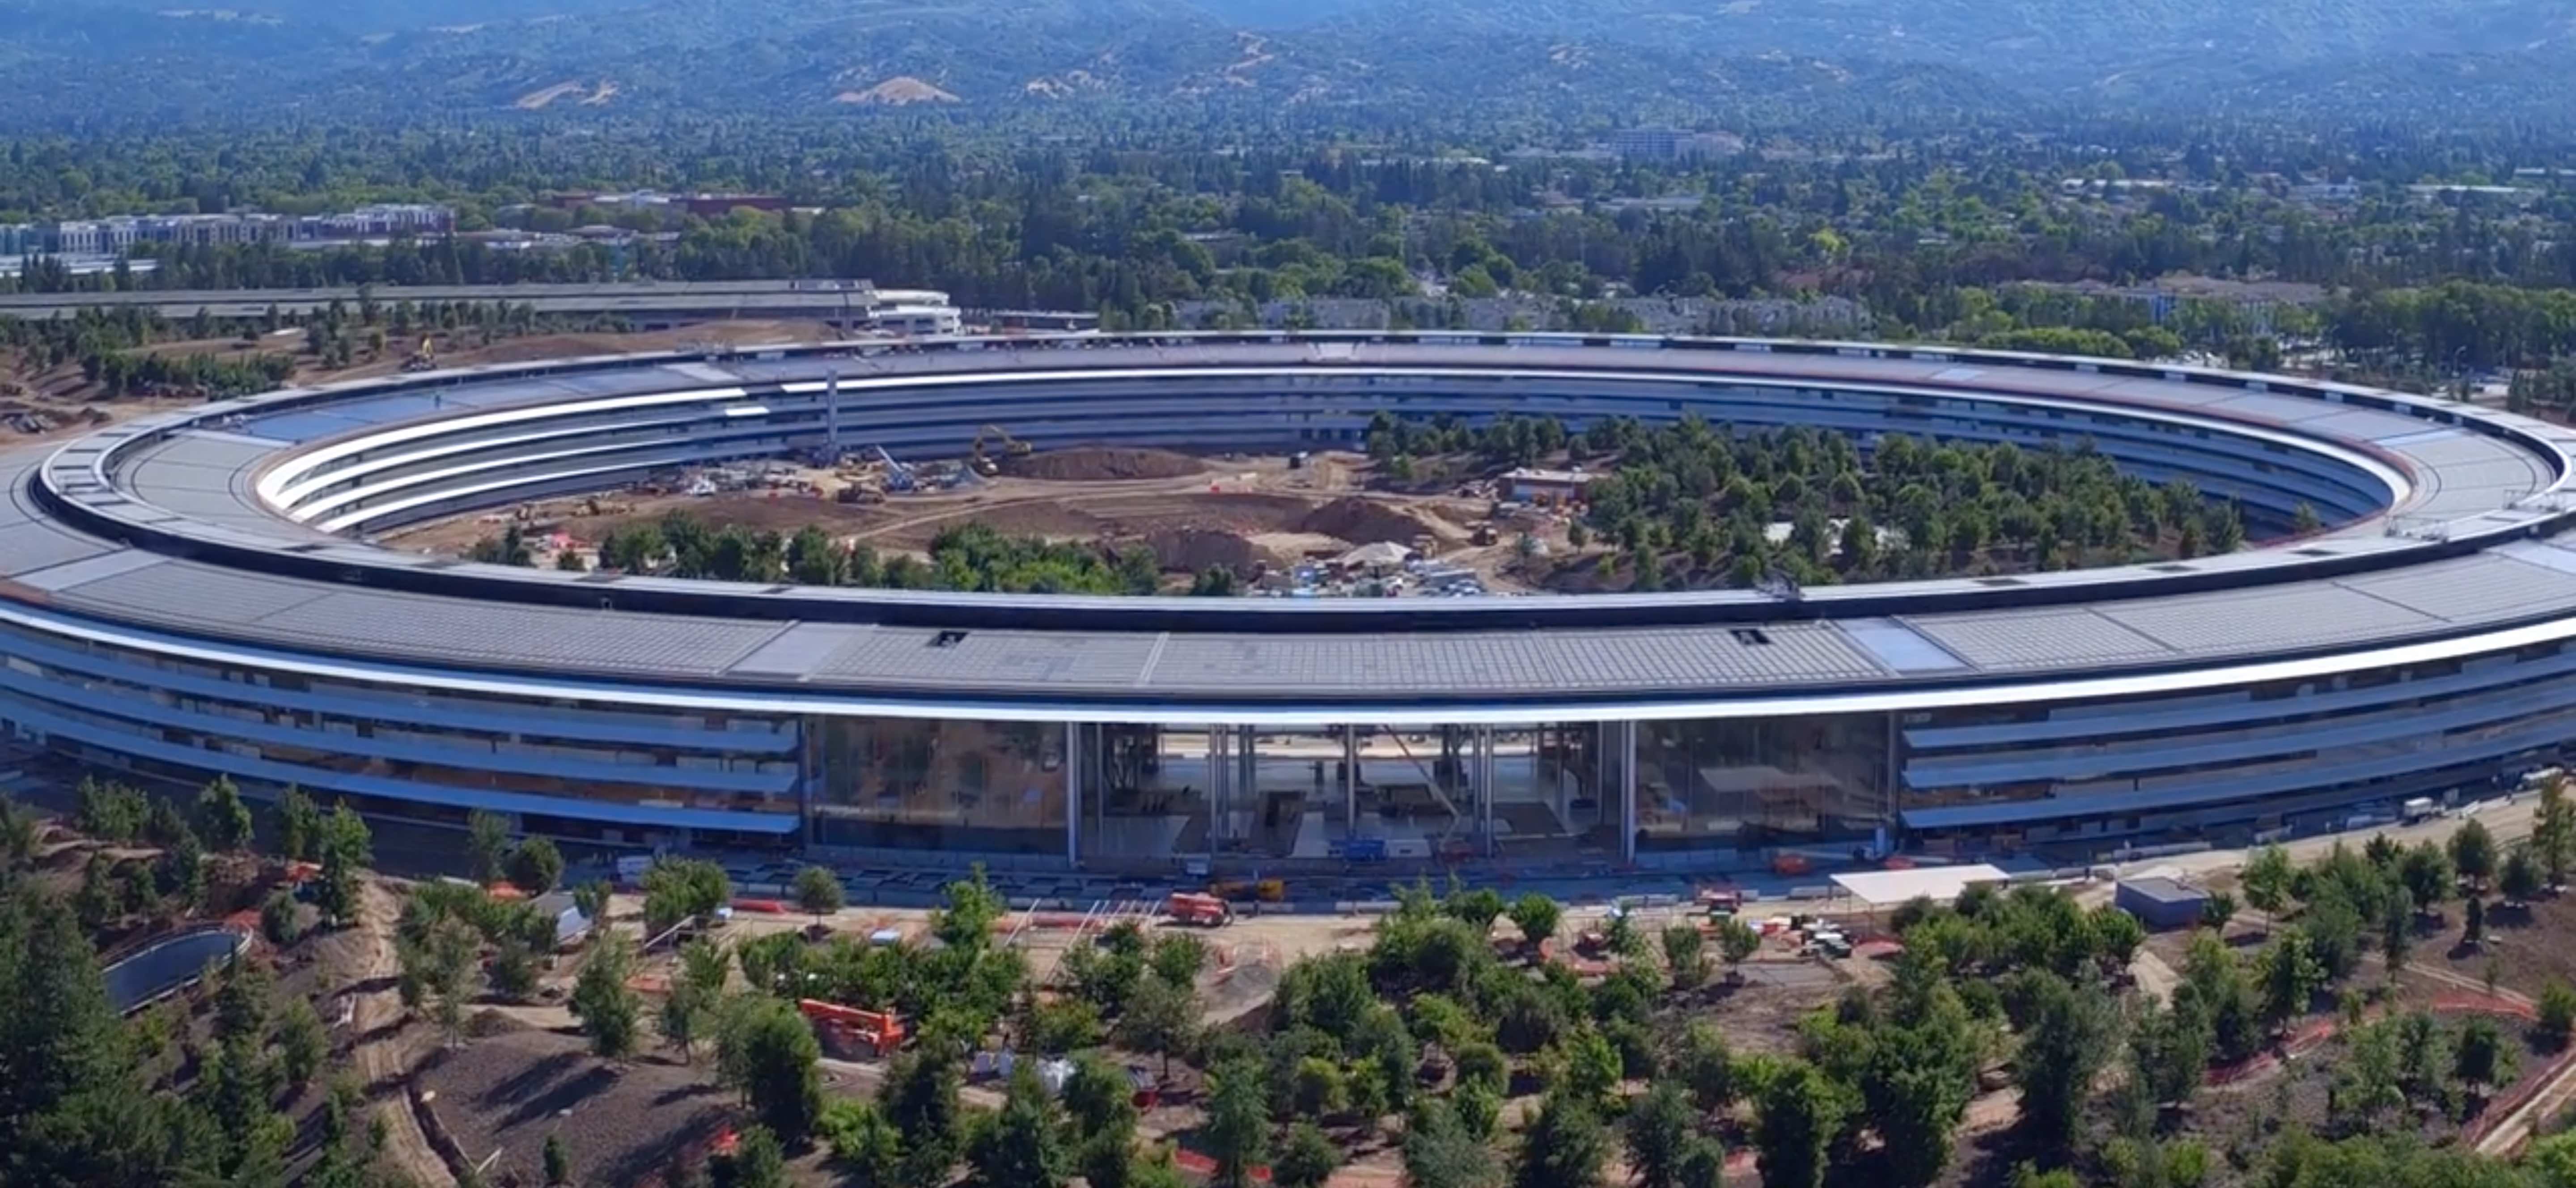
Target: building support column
(1627, 749)
(1350, 781)
(1485, 785)
(1075, 752)
(1220, 770)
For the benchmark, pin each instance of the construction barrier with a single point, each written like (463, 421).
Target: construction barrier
(766, 907)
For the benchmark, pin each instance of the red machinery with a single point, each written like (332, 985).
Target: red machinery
(851, 1031)
(1186, 907)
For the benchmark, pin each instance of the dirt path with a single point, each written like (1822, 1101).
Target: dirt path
(383, 1054)
(2556, 1091)
(2465, 982)
(2156, 979)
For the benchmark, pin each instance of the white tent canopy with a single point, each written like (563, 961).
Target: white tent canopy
(1941, 884)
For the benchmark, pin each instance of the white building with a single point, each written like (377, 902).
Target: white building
(917, 320)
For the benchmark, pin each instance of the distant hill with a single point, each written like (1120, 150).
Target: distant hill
(1749, 62)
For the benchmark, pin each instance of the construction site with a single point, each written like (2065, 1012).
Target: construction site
(1324, 524)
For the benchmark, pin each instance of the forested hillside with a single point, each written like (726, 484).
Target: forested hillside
(1262, 63)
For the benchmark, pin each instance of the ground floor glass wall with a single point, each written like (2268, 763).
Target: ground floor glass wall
(895, 783)
(1324, 792)
(1756, 782)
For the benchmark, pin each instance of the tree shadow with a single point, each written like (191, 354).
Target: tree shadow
(645, 1161)
(678, 1093)
(562, 1096)
(529, 1081)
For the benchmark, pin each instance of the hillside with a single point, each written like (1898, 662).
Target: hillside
(1366, 61)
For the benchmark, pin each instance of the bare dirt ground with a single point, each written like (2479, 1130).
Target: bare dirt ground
(504, 1092)
(1193, 511)
(384, 1045)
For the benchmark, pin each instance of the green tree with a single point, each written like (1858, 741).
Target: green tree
(1306, 1160)
(536, 866)
(1564, 1146)
(558, 1161)
(2427, 875)
(347, 850)
(1536, 916)
(2289, 976)
(1237, 1134)
(677, 889)
(757, 1161)
(1177, 958)
(278, 917)
(222, 817)
(866, 1148)
(2479, 1058)
(2556, 1021)
(1704, 1065)
(2553, 831)
(487, 844)
(769, 1053)
(2520, 880)
(2169, 1049)
(301, 1042)
(920, 1099)
(2218, 909)
(1018, 1149)
(299, 825)
(592, 899)
(1736, 941)
(818, 892)
(1441, 1152)
(1161, 1018)
(606, 1006)
(1801, 1111)
(1660, 1133)
(1586, 1067)
(2473, 852)
(1685, 953)
(2267, 878)
(2071, 1030)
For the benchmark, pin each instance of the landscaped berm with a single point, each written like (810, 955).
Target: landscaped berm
(2361, 1007)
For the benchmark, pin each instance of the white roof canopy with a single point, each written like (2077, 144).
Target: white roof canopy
(1940, 884)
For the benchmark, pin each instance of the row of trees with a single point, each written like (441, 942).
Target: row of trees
(965, 557)
(1912, 509)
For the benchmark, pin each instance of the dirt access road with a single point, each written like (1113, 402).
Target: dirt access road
(386, 1048)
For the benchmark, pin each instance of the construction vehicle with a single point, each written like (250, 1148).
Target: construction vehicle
(1207, 911)
(1012, 447)
(851, 1031)
(900, 477)
(1250, 890)
(423, 359)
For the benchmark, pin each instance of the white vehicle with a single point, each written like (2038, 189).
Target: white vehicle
(2419, 809)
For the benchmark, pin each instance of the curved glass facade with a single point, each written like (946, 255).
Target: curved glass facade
(1111, 796)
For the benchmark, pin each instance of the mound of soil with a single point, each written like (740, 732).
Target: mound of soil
(1363, 521)
(1092, 464)
(1193, 550)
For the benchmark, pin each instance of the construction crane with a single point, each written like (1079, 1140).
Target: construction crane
(1011, 447)
(423, 359)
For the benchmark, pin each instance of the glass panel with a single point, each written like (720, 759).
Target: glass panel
(1760, 781)
(997, 787)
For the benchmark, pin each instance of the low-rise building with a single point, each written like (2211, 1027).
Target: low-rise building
(916, 319)
(1530, 485)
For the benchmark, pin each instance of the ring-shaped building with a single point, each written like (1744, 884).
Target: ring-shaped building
(195, 592)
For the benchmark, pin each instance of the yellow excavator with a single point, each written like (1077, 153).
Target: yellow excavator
(1011, 447)
(423, 359)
